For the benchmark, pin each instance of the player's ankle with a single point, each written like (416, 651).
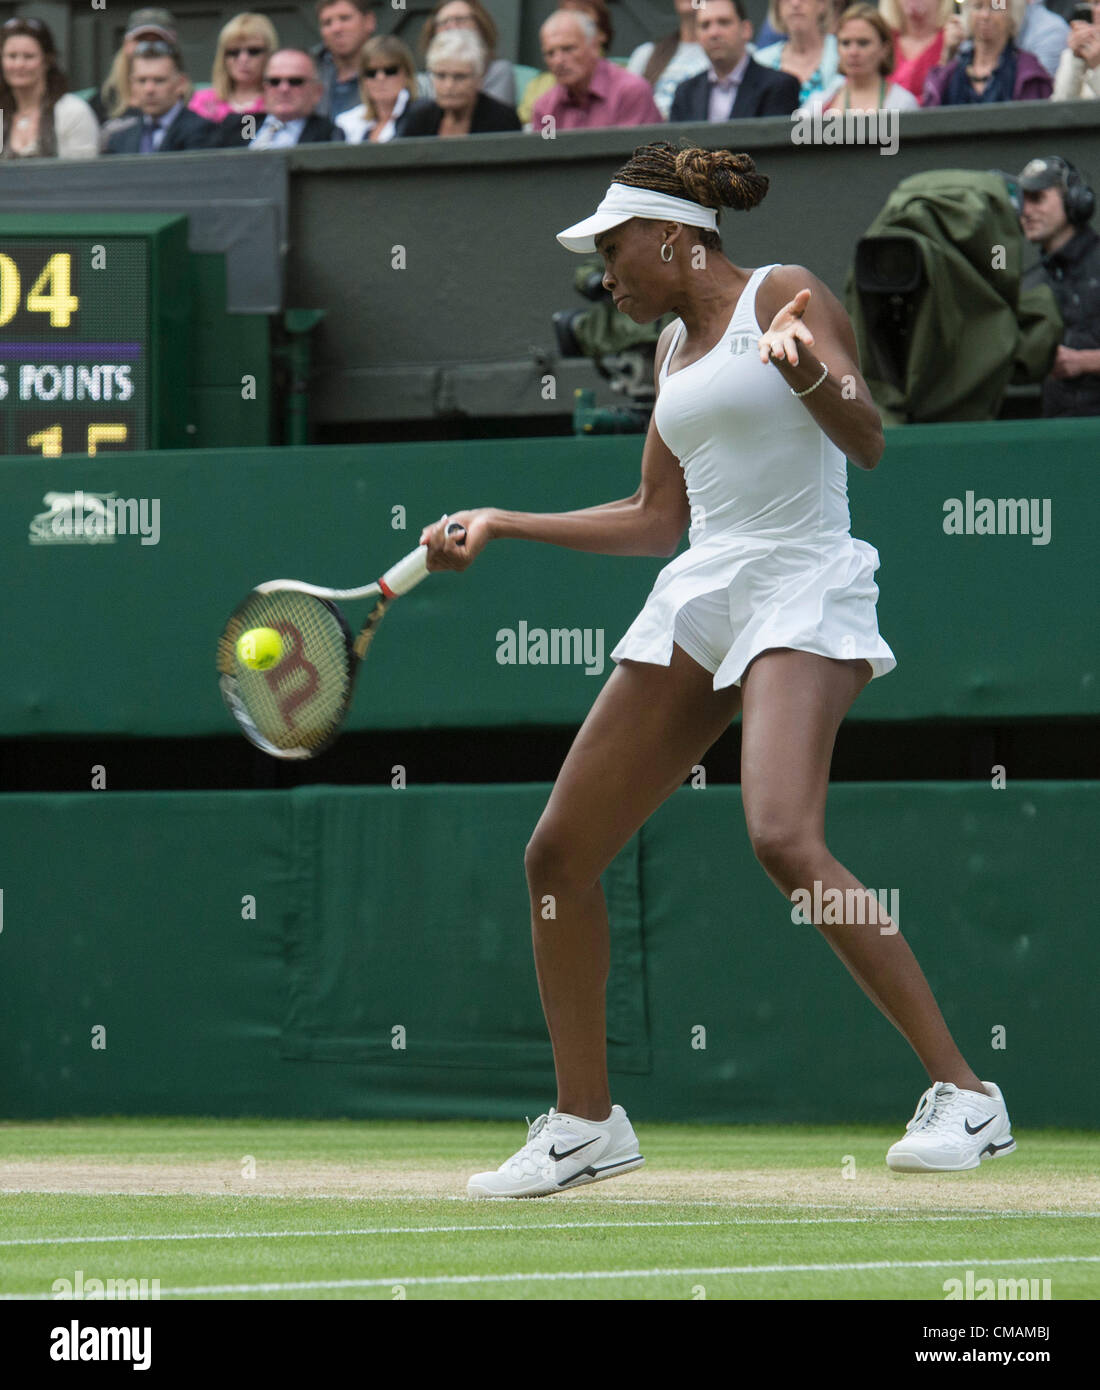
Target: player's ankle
(597, 1113)
(967, 1083)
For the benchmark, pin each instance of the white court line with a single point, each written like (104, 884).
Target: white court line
(577, 1195)
(418, 1280)
(536, 1226)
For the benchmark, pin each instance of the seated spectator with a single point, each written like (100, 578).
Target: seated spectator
(113, 98)
(809, 51)
(345, 27)
(733, 85)
(236, 83)
(598, 12)
(673, 58)
(1057, 205)
(1044, 34)
(917, 28)
(1078, 74)
(866, 56)
(989, 67)
(499, 81)
(589, 91)
(39, 116)
(293, 91)
(159, 90)
(766, 35)
(387, 81)
(457, 60)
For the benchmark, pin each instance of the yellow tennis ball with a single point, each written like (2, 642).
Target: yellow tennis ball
(260, 648)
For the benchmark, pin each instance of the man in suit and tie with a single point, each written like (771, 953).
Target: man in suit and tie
(733, 85)
(292, 92)
(159, 89)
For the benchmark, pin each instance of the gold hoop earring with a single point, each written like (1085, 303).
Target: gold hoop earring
(666, 247)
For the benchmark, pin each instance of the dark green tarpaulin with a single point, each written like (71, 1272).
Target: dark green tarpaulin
(973, 330)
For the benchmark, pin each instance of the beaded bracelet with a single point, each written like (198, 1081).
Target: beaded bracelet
(817, 383)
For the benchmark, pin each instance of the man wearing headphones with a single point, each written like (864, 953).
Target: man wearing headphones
(1055, 207)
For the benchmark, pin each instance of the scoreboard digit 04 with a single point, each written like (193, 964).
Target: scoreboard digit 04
(94, 333)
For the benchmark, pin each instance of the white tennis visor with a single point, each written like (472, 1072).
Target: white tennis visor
(622, 202)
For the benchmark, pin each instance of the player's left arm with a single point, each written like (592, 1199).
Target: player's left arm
(800, 335)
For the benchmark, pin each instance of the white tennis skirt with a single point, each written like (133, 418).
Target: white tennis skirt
(728, 599)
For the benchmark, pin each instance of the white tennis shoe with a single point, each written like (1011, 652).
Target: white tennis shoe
(562, 1152)
(953, 1130)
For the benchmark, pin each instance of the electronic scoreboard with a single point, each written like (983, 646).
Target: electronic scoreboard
(95, 332)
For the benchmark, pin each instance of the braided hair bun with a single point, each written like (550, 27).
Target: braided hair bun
(719, 178)
(713, 178)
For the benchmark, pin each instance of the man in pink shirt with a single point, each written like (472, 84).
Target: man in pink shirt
(590, 91)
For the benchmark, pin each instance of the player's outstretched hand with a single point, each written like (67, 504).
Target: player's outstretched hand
(780, 340)
(455, 552)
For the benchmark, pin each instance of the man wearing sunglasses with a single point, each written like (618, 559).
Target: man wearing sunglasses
(292, 92)
(159, 89)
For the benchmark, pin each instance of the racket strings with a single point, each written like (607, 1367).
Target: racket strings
(298, 702)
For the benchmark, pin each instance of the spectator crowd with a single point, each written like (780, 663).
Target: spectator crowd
(356, 85)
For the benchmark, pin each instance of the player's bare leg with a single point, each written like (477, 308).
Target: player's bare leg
(648, 727)
(793, 705)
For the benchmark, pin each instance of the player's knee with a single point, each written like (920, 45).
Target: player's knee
(554, 863)
(546, 857)
(783, 849)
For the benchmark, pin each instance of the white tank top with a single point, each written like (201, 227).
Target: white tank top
(754, 460)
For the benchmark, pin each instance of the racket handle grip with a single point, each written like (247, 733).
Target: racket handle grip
(409, 571)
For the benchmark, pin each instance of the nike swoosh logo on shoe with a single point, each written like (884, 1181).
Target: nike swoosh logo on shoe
(557, 1156)
(994, 1149)
(594, 1172)
(966, 1125)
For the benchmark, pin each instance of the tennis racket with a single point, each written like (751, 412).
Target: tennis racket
(295, 708)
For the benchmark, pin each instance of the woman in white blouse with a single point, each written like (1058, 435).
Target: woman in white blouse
(865, 54)
(387, 83)
(41, 117)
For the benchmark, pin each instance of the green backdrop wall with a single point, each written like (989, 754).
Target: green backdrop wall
(378, 909)
(118, 637)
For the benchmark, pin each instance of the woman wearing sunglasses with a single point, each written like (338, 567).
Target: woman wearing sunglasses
(387, 83)
(236, 84)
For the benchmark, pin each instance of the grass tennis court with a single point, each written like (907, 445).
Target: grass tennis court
(377, 1209)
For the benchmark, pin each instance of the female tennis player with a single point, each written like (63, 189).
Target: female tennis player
(770, 612)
